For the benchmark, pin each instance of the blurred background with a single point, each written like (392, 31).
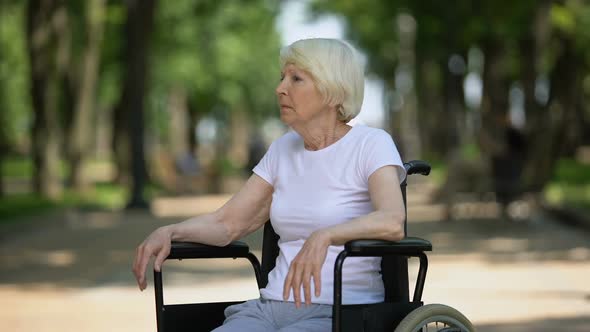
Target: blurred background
(120, 116)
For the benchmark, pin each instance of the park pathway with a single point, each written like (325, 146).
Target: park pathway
(71, 271)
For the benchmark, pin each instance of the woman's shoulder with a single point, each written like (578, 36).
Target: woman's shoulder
(366, 132)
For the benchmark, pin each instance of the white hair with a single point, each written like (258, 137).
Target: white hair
(336, 69)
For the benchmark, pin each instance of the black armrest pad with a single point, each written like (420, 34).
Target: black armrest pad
(417, 167)
(186, 250)
(407, 246)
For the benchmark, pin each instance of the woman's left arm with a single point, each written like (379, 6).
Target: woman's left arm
(385, 223)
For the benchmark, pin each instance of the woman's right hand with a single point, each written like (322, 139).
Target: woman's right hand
(156, 244)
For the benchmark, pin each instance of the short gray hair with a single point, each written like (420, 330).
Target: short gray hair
(336, 68)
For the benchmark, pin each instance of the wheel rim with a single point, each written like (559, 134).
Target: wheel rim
(440, 323)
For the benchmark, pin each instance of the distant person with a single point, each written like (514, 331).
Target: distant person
(256, 150)
(507, 167)
(188, 164)
(507, 149)
(322, 184)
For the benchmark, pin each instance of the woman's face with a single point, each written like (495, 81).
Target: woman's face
(298, 97)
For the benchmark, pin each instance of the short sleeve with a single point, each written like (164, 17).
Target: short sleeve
(267, 165)
(380, 150)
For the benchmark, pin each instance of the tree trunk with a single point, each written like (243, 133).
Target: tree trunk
(121, 145)
(494, 104)
(4, 136)
(82, 126)
(179, 129)
(192, 139)
(547, 133)
(3, 153)
(239, 133)
(431, 111)
(405, 83)
(138, 28)
(548, 137)
(454, 106)
(48, 54)
(1, 175)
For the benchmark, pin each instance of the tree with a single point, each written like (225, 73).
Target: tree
(83, 80)
(216, 59)
(138, 28)
(522, 41)
(47, 44)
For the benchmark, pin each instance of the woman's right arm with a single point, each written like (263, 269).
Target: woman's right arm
(244, 213)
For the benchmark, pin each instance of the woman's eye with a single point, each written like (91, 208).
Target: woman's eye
(296, 78)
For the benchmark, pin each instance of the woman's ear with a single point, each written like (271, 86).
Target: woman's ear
(341, 113)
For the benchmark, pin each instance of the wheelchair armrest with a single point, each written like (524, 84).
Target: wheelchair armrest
(409, 246)
(417, 167)
(187, 250)
(406, 246)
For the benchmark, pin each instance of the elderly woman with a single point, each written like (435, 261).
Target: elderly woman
(322, 184)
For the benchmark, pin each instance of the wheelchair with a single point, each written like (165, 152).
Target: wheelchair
(395, 313)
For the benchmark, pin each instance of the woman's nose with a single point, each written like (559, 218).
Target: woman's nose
(281, 88)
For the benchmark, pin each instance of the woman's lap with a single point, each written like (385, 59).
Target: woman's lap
(269, 315)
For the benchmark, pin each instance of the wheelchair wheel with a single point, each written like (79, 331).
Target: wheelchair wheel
(435, 317)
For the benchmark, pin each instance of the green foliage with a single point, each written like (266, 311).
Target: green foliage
(15, 107)
(569, 171)
(572, 19)
(227, 168)
(222, 53)
(110, 81)
(442, 28)
(570, 185)
(438, 171)
(471, 151)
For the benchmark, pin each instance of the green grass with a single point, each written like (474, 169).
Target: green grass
(570, 185)
(102, 196)
(568, 195)
(572, 172)
(22, 167)
(16, 205)
(22, 205)
(16, 167)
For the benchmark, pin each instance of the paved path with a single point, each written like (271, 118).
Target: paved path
(71, 271)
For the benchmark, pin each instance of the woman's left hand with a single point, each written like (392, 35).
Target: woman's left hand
(307, 263)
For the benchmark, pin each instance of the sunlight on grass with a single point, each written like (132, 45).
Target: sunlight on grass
(568, 194)
(101, 197)
(16, 168)
(20, 205)
(570, 185)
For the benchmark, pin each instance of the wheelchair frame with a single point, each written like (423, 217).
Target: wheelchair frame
(372, 317)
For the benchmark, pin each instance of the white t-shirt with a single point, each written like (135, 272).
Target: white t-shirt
(318, 189)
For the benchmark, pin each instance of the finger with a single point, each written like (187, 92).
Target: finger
(143, 262)
(307, 285)
(297, 287)
(160, 258)
(317, 281)
(138, 251)
(136, 265)
(287, 285)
